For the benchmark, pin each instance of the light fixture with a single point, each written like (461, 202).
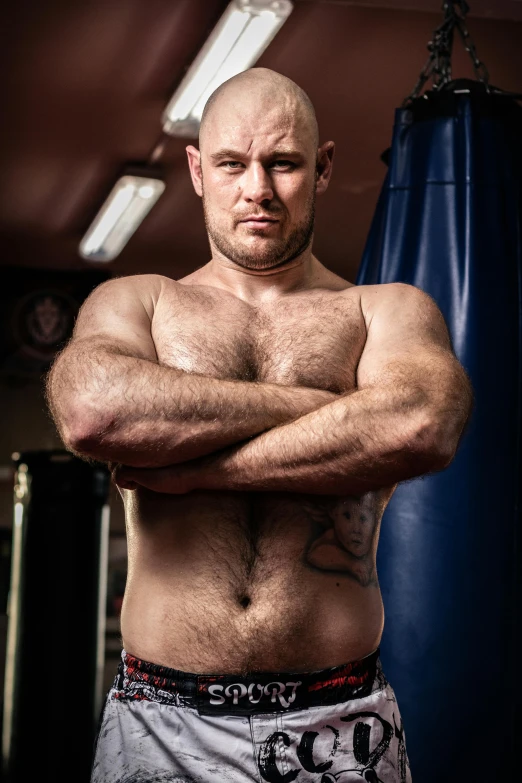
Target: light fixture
(128, 203)
(236, 43)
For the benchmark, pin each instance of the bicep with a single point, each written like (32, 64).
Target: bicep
(118, 315)
(407, 337)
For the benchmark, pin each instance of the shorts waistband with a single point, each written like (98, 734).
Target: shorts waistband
(256, 692)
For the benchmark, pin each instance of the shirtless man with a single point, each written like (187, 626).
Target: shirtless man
(258, 415)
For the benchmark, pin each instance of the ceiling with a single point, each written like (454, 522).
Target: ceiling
(494, 9)
(85, 83)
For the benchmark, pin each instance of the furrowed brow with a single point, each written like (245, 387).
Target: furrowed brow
(225, 153)
(235, 155)
(288, 153)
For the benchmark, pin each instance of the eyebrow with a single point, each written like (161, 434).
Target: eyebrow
(228, 153)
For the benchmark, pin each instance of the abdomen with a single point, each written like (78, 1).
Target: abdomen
(235, 582)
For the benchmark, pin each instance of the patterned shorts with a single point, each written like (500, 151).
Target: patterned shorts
(166, 726)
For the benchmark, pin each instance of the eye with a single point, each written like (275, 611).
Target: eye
(231, 164)
(283, 164)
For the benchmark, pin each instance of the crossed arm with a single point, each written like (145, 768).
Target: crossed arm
(174, 432)
(113, 401)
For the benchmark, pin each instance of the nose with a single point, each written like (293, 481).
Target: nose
(257, 184)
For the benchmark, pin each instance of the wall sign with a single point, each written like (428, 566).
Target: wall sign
(38, 310)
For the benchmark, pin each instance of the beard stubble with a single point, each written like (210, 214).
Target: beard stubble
(275, 252)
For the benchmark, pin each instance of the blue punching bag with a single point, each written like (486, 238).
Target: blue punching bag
(449, 221)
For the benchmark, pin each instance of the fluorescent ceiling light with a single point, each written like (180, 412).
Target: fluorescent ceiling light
(236, 43)
(128, 203)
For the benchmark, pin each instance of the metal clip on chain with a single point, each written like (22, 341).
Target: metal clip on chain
(438, 66)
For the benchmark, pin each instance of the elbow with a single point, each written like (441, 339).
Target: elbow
(83, 431)
(81, 418)
(442, 420)
(436, 439)
(440, 453)
(80, 439)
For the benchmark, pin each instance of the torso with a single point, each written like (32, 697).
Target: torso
(237, 582)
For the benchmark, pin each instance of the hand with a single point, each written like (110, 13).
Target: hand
(172, 480)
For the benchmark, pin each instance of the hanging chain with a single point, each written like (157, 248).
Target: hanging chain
(438, 66)
(481, 72)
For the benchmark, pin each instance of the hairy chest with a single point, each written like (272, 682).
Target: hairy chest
(312, 339)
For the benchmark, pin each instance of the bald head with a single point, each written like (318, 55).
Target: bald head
(259, 90)
(259, 169)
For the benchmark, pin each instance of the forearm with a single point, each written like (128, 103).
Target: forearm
(340, 449)
(119, 408)
(348, 447)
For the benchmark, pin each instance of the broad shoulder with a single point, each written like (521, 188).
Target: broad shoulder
(139, 283)
(145, 289)
(396, 300)
(399, 311)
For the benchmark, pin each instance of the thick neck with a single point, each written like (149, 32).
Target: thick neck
(258, 285)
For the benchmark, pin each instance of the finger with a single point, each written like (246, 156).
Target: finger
(121, 479)
(166, 480)
(124, 483)
(153, 479)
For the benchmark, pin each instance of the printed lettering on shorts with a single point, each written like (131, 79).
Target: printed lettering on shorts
(243, 696)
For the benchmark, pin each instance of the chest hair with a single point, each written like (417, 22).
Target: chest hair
(313, 339)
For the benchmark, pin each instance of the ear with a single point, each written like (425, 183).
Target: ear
(324, 166)
(194, 161)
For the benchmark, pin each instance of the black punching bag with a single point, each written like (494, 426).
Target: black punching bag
(55, 642)
(449, 222)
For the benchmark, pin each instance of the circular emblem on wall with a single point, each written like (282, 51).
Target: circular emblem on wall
(42, 321)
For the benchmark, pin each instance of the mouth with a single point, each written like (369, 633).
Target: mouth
(262, 222)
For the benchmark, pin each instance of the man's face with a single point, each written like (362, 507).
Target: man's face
(258, 183)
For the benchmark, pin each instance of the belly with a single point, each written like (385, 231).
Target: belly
(237, 582)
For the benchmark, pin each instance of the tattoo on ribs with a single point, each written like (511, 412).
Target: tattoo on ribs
(342, 540)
